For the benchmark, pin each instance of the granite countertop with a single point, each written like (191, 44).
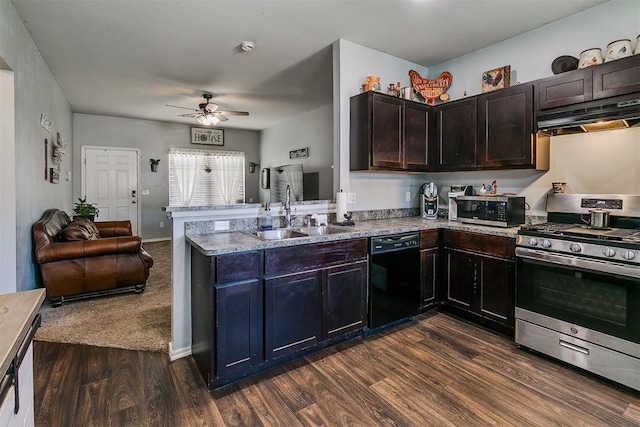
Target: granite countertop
(241, 241)
(17, 311)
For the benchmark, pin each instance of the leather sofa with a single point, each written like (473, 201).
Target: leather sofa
(82, 258)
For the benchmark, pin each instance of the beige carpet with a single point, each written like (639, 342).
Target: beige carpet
(129, 321)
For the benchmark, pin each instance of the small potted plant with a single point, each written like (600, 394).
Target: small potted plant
(154, 164)
(83, 209)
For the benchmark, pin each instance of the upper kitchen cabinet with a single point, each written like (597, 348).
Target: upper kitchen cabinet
(506, 137)
(457, 135)
(388, 133)
(615, 78)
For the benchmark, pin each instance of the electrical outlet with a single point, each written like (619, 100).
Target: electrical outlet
(351, 198)
(221, 225)
(407, 196)
(161, 224)
(145, 192)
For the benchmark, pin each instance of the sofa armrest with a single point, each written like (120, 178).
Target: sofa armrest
(60, 251)
(114, 228)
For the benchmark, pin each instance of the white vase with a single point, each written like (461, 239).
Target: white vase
(618, 49)
(590, 57)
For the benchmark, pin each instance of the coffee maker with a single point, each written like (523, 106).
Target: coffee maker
(429, 201)
(457, 190)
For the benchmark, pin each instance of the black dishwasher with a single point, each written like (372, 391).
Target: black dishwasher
(394, 279)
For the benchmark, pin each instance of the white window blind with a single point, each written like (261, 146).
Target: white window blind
(205, 177)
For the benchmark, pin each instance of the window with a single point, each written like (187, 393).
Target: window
(205, 177)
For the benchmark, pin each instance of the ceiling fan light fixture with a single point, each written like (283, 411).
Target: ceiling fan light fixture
(208, 119)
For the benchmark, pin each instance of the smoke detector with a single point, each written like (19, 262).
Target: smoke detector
(247, 46)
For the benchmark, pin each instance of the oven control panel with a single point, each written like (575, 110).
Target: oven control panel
(601, 203)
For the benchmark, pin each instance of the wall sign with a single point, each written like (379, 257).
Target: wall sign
(207, 136)
(299, 153)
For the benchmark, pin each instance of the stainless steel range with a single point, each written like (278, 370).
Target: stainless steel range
(578, 286)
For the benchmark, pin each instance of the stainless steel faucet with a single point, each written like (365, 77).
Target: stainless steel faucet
(287, 207)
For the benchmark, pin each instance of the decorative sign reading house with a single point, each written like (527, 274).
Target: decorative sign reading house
(207, 136)
(431, 89)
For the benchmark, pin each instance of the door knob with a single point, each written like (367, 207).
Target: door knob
(133, 201)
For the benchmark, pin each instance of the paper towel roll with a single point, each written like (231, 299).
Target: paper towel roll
(341, 206)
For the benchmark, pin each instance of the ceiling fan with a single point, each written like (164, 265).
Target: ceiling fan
(207, 113)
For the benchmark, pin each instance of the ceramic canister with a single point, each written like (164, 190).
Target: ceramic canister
(590, 57)
(637, 51)
(618, 49)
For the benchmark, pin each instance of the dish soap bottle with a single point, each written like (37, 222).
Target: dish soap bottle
(265, 220)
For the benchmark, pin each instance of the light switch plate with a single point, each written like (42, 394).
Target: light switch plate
(407, 196)
(145, 192)
(351, 198)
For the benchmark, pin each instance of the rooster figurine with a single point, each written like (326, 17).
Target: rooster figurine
(431, 89)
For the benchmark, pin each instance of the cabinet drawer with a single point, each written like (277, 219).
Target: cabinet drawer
(312, 256)
(234, 267)
(499, 246)
(428, 239)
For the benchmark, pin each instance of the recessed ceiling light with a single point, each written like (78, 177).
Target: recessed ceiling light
(247, 46)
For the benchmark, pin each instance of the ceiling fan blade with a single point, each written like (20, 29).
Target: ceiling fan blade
(234, 113)
(221, 117)
(192, 115)
(184, 108)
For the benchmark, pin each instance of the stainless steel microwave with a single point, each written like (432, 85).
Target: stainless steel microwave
(497, 211)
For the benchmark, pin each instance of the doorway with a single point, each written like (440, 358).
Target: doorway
(110, 180)
(8, 260)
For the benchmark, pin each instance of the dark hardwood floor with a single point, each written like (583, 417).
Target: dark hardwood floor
(436, 370)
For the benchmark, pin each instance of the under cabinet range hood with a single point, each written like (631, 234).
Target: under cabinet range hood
(617, 115)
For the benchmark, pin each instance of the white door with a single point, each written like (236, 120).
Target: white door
(110, 180)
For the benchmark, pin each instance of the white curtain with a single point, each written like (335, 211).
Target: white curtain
(185, 166)
(229, 169)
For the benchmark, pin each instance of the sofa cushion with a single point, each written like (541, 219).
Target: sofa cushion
(79, 229)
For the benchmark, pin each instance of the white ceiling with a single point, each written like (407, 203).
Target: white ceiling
(128, 58)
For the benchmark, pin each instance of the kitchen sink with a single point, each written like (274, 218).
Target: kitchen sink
(321, 230)
(279, 234)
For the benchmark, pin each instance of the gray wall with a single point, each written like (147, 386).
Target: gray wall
(36, 92)
(154, 139)
(314, 130)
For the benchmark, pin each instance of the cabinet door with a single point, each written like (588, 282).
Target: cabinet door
(564, 89)
(386, 143)
(238, 333)
(293, 313)
(616, 78)
(506, 127)
(460, 278)
(457, 135)
(416, 136)
(428, 276)
(344, 297)
(496, 278)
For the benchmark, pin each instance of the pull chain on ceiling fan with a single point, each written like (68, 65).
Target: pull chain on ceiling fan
(208, 113)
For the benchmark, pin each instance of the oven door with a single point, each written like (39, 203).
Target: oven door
(599, 295)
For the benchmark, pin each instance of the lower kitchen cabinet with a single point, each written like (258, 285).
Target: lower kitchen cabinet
(478, 278)
(429, 249)
(344, 294)
(293, 310)
(251, 311)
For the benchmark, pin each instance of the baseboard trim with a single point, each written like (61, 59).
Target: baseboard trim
(157, 239)
(179, 353)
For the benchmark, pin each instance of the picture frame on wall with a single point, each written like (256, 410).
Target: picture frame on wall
(498, 78)
(207, 136)
(300, 153)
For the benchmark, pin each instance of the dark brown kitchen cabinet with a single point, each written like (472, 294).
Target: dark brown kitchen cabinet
(506, 135)
(478, 278)
(429, 248)
(457, 135)
(344, 295)
(612, 79)
(226, 314)
(293, 310)
(388, 133)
